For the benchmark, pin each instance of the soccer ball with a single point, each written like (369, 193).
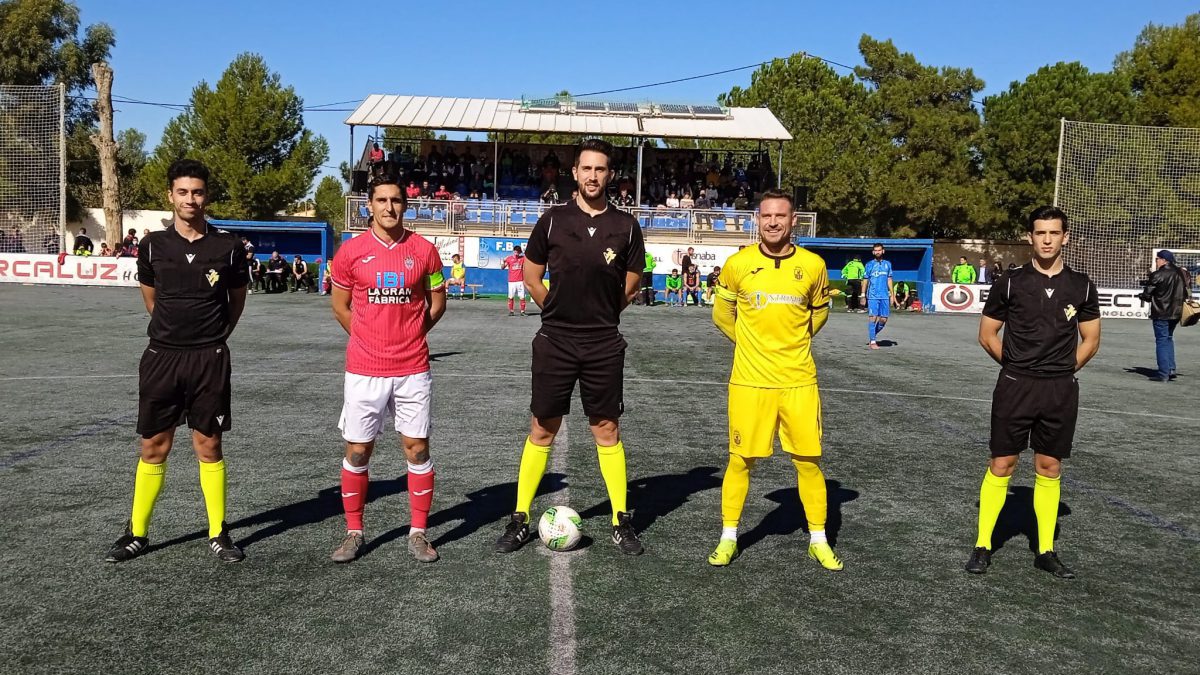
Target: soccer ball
(559, 528)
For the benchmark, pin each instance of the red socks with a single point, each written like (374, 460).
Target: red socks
(522, 304)
(420, 493)
(354, 494)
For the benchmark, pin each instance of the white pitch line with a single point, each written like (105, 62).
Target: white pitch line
(562, 593)
(640, 380)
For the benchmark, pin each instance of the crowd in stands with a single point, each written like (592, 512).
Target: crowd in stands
(674, 179)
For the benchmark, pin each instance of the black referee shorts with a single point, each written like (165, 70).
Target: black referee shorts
(597, 362)
(1034, 412)
(175, 385)
(647, 279)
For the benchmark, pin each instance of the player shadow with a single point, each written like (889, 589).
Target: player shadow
(887, 343)
(324, 505)
(654, 497)
(482, 508)
(1017, 519)
(441, 355)
(788, 517)
(1148, 373)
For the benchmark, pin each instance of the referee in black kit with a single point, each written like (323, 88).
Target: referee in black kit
(595, 253)
(193, 280)
(1051, 320)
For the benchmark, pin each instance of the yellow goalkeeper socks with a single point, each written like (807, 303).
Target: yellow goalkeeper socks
(734, 487)
(212, 484)
(533, 465)
(147, 483)
(992, 494)
(612, 467)
(811, 483)
(1046, 493)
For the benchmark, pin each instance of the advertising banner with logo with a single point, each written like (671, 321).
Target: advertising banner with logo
(493, 250)
(467, 247)
(38, 268)
(1115, 303)
(668, 256)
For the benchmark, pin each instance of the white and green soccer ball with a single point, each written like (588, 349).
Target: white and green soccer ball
(559, 528)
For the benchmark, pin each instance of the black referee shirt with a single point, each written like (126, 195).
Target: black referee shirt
(1041, 316)
(191, 281)
(588, 257)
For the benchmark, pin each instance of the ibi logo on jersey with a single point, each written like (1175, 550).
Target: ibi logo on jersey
(389, 289)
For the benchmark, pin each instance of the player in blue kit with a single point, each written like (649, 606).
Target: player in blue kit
(879, 294)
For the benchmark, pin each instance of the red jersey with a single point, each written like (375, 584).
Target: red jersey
(516, 266)
(389, 286)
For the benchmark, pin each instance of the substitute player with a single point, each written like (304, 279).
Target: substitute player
(771, 300)
(1051, 319)
(388, 293)
(193, 279)
(596, 255)
(458, 275)
(878, 275)
(515, 264)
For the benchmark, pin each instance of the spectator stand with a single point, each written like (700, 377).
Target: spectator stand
(311, 240)
(912, 259)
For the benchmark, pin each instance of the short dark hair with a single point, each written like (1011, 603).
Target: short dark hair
(517, 248)
(878, 244)
(387, 180)
(595, 145)
(775, 193)
(186, 168)
(1047, 213)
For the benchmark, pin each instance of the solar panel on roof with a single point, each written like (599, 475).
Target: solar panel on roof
(544, 104)
(708, 110)
(589, 106)
(623, 107)
(675, 109)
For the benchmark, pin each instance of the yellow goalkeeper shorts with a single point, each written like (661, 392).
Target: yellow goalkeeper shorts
(756, 414)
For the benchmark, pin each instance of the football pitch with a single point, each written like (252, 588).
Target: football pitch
(905, 448)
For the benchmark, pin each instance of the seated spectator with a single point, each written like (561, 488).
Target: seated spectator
(106, 251)
(83, 243)
(276, 283)
(301, 276)
(442, 193)
(691, 287)
(413, 191)
(16, 242)
(674, 288)
(550, 196)
(711, 288)
(375, 156)
(687, 202)
(257, 283)
(130, 243)
(458, 276)
(624, 198)
(426, 191)
(672, 201)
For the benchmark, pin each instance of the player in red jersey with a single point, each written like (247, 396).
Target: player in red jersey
(515, 264)
(388, 292)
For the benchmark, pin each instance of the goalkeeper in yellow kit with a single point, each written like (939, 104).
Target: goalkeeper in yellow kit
(771, 300)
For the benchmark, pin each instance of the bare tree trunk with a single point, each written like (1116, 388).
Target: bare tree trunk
(106, 146)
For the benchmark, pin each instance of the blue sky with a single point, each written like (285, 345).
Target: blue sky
(343, 51)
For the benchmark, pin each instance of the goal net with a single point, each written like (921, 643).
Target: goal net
(32, 162)
(1129, 191)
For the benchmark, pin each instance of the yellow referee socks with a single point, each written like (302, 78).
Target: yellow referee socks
(734, 487)
(612, 467)
(533, 466)
(991, 499)
(1046, 493)
(811, 483)
(147, 482)
(212, 484)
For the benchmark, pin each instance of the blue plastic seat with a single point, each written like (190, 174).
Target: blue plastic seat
(718, 225)
(425, 213)
(410, 214)
(487, 217)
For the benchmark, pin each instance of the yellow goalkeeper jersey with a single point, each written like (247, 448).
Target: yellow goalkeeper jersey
(781, 303)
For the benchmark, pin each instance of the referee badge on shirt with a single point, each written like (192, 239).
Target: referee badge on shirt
(212, 277)
(609, 256)
(1069, 310)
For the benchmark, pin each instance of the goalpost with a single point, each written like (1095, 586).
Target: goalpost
(33, 168)
(1129, 192)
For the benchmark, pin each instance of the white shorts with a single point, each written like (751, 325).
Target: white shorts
(368, 399)
(516, 289)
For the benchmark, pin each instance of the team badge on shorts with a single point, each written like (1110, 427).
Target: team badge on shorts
(1069, 310)
(212, 277)
(737, 438)
(609, 256)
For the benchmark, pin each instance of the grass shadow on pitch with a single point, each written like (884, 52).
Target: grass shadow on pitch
(324, 505)
(654, 497)
(1017, 519)
(482, 507)
(788, 517)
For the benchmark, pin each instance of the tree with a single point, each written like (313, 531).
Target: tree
(930, 183)
(1021, 129)
(249, 130)
(835, 147)
(1164, 71)
(40, 44)
(331, 203)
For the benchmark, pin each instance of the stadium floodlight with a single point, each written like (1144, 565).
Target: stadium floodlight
(1128, 191)
(32, 168)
